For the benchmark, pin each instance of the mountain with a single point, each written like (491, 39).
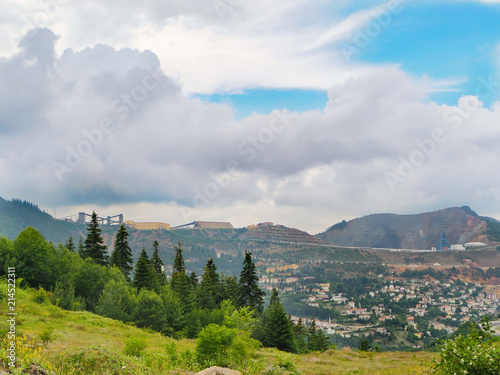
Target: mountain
(227, 245)
(17, 215)
(270, 232)
(420, 231)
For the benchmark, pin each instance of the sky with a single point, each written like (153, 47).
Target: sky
(303, 113)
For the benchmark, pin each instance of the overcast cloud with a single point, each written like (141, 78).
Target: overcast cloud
(96, 113)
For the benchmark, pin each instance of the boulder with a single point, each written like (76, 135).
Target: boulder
(214, 370)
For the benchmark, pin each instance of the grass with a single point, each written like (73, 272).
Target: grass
(85, 343)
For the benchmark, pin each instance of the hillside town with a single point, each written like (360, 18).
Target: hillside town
(425, 307)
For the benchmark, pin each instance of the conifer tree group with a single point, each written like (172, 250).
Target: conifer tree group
(185, 304)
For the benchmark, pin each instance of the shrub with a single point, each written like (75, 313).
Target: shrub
(286, 362)
(242, 348)
(40, 296)
(96, 360)
(213, 344)
(134, 347)
(470, 354)
(171, 350)
(47, 336)
(64, 295)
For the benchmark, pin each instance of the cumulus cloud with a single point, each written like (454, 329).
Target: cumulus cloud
(209, 46)
(102, 127)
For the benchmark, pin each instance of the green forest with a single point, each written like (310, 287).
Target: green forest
(226, 315)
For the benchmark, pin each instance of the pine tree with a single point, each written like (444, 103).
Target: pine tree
(70, 244)
(300, 336)
(179, 265)
(158, 264)
(94, 244)
(311, 337)
(278, 330)
(81, 248)
(229, 288)
(180, 283)
(209, 293)
(193, 279)
(364, 346)
(249, 293)
(317, 340)
(144, 276)
(122, 254)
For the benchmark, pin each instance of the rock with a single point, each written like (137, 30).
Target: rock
(214, 370)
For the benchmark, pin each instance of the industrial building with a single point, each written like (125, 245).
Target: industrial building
(147, 226)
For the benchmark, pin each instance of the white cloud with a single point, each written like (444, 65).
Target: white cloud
(165, 151)
(252, 44)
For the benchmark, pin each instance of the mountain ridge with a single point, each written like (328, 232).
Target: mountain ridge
(413, 231)
(380, 230)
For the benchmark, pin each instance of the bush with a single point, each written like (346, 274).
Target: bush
(64, 295)
(470, 354)
(171, 350)
(47, 336)
(134, 347)
(242, 348)
(40, 296)
(213, 344)
(96, 360)
(286, 363)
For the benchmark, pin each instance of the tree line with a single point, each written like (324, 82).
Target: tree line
(84, 276)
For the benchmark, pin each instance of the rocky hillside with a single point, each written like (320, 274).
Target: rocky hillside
(271, 232)
(420, 231)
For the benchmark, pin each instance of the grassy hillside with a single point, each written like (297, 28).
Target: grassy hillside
(84, 343)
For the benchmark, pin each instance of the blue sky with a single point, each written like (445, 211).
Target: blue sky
(264, 101)
(448, 41)
(444, 40)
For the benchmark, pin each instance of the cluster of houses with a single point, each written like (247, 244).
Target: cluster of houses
(458, 302)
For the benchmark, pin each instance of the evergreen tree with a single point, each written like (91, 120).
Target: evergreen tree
(209, 294)
(249, 293)
(81, 248)
(364, 346)
(70, 244)
(180, 283)
(144, 276)
(275, 299)
(179, 265)
(158, 264)
(122, 254)
(94, 244)
(193, 279)
(278, 331)
(317, 340)
(311, 336)
(229, 288)
(300, 336)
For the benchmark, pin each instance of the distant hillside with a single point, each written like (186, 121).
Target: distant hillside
(420, 231)
(17, 215)
(270, 232)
